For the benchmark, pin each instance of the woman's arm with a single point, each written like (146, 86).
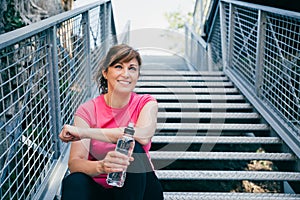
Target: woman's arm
(144, 128)
(146, 124)
(71, 133)
(78, 160)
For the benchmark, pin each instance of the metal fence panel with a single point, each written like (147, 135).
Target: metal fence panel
(260, 52)
(281, 64)
(46, 72)
(215, 46)
(262, 49)
(27, 147)
(195, 49)
(244, 42)
(204, 53)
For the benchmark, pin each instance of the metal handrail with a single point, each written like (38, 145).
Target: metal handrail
(278, 11)
(12, 37)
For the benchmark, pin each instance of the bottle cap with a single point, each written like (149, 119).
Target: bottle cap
(129, 129)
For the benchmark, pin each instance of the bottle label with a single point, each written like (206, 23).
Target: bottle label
(124, 146)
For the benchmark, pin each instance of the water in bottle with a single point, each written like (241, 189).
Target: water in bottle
(125, 146)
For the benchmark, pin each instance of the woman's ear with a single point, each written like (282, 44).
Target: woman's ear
(104, 74)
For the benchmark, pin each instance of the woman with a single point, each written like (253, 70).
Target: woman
(99, 123)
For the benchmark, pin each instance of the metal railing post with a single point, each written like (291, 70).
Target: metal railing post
(223, 35)
(192, 47)
(260, 44)
(230, 35)
(186, 41)
(53, 88)
(209, 59)
(87, 52)
(111, 31)
(104, 28)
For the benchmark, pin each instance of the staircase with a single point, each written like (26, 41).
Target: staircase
(210, 143)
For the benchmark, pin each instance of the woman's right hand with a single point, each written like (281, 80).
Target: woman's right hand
(71, 133)
(114, 162)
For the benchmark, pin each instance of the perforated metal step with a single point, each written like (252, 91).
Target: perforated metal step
(196, 97)
(176, 90)
(180, 73)
(208, 115)
(187, 120)
(181, 78)
(212, 126)
(203, 133)
(228, 196)
(184, 84)
(184, 105)
(227, 175)
(217, 140)
(188, 155)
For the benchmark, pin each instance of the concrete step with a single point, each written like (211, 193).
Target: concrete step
(228, 196)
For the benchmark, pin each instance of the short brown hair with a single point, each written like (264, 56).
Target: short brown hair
(116, 54)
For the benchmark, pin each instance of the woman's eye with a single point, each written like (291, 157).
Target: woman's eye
(132, 68)
(118, 67)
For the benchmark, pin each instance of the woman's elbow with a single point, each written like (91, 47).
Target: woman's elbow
(144, 141)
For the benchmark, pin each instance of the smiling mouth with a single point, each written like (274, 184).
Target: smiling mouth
(124, 82)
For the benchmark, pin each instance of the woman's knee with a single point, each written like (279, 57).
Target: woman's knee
(138, 148)
(141, 163)
(78, 186)
(77, 177)
(77, 181)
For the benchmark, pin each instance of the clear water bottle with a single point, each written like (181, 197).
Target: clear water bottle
(125, 146)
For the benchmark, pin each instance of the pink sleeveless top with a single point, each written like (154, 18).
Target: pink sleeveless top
(98, 114)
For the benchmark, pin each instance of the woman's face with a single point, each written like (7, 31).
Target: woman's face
(122, 77)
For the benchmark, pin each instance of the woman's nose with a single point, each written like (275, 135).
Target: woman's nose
(125, 72)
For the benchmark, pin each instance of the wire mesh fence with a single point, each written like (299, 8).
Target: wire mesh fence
(27, 146)
(281, 71)
(215, 46)
(204, 52)
(265, 52)
(46, 72)
(264, 49)
(258, 47)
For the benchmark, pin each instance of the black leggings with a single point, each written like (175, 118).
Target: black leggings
(143, 185)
